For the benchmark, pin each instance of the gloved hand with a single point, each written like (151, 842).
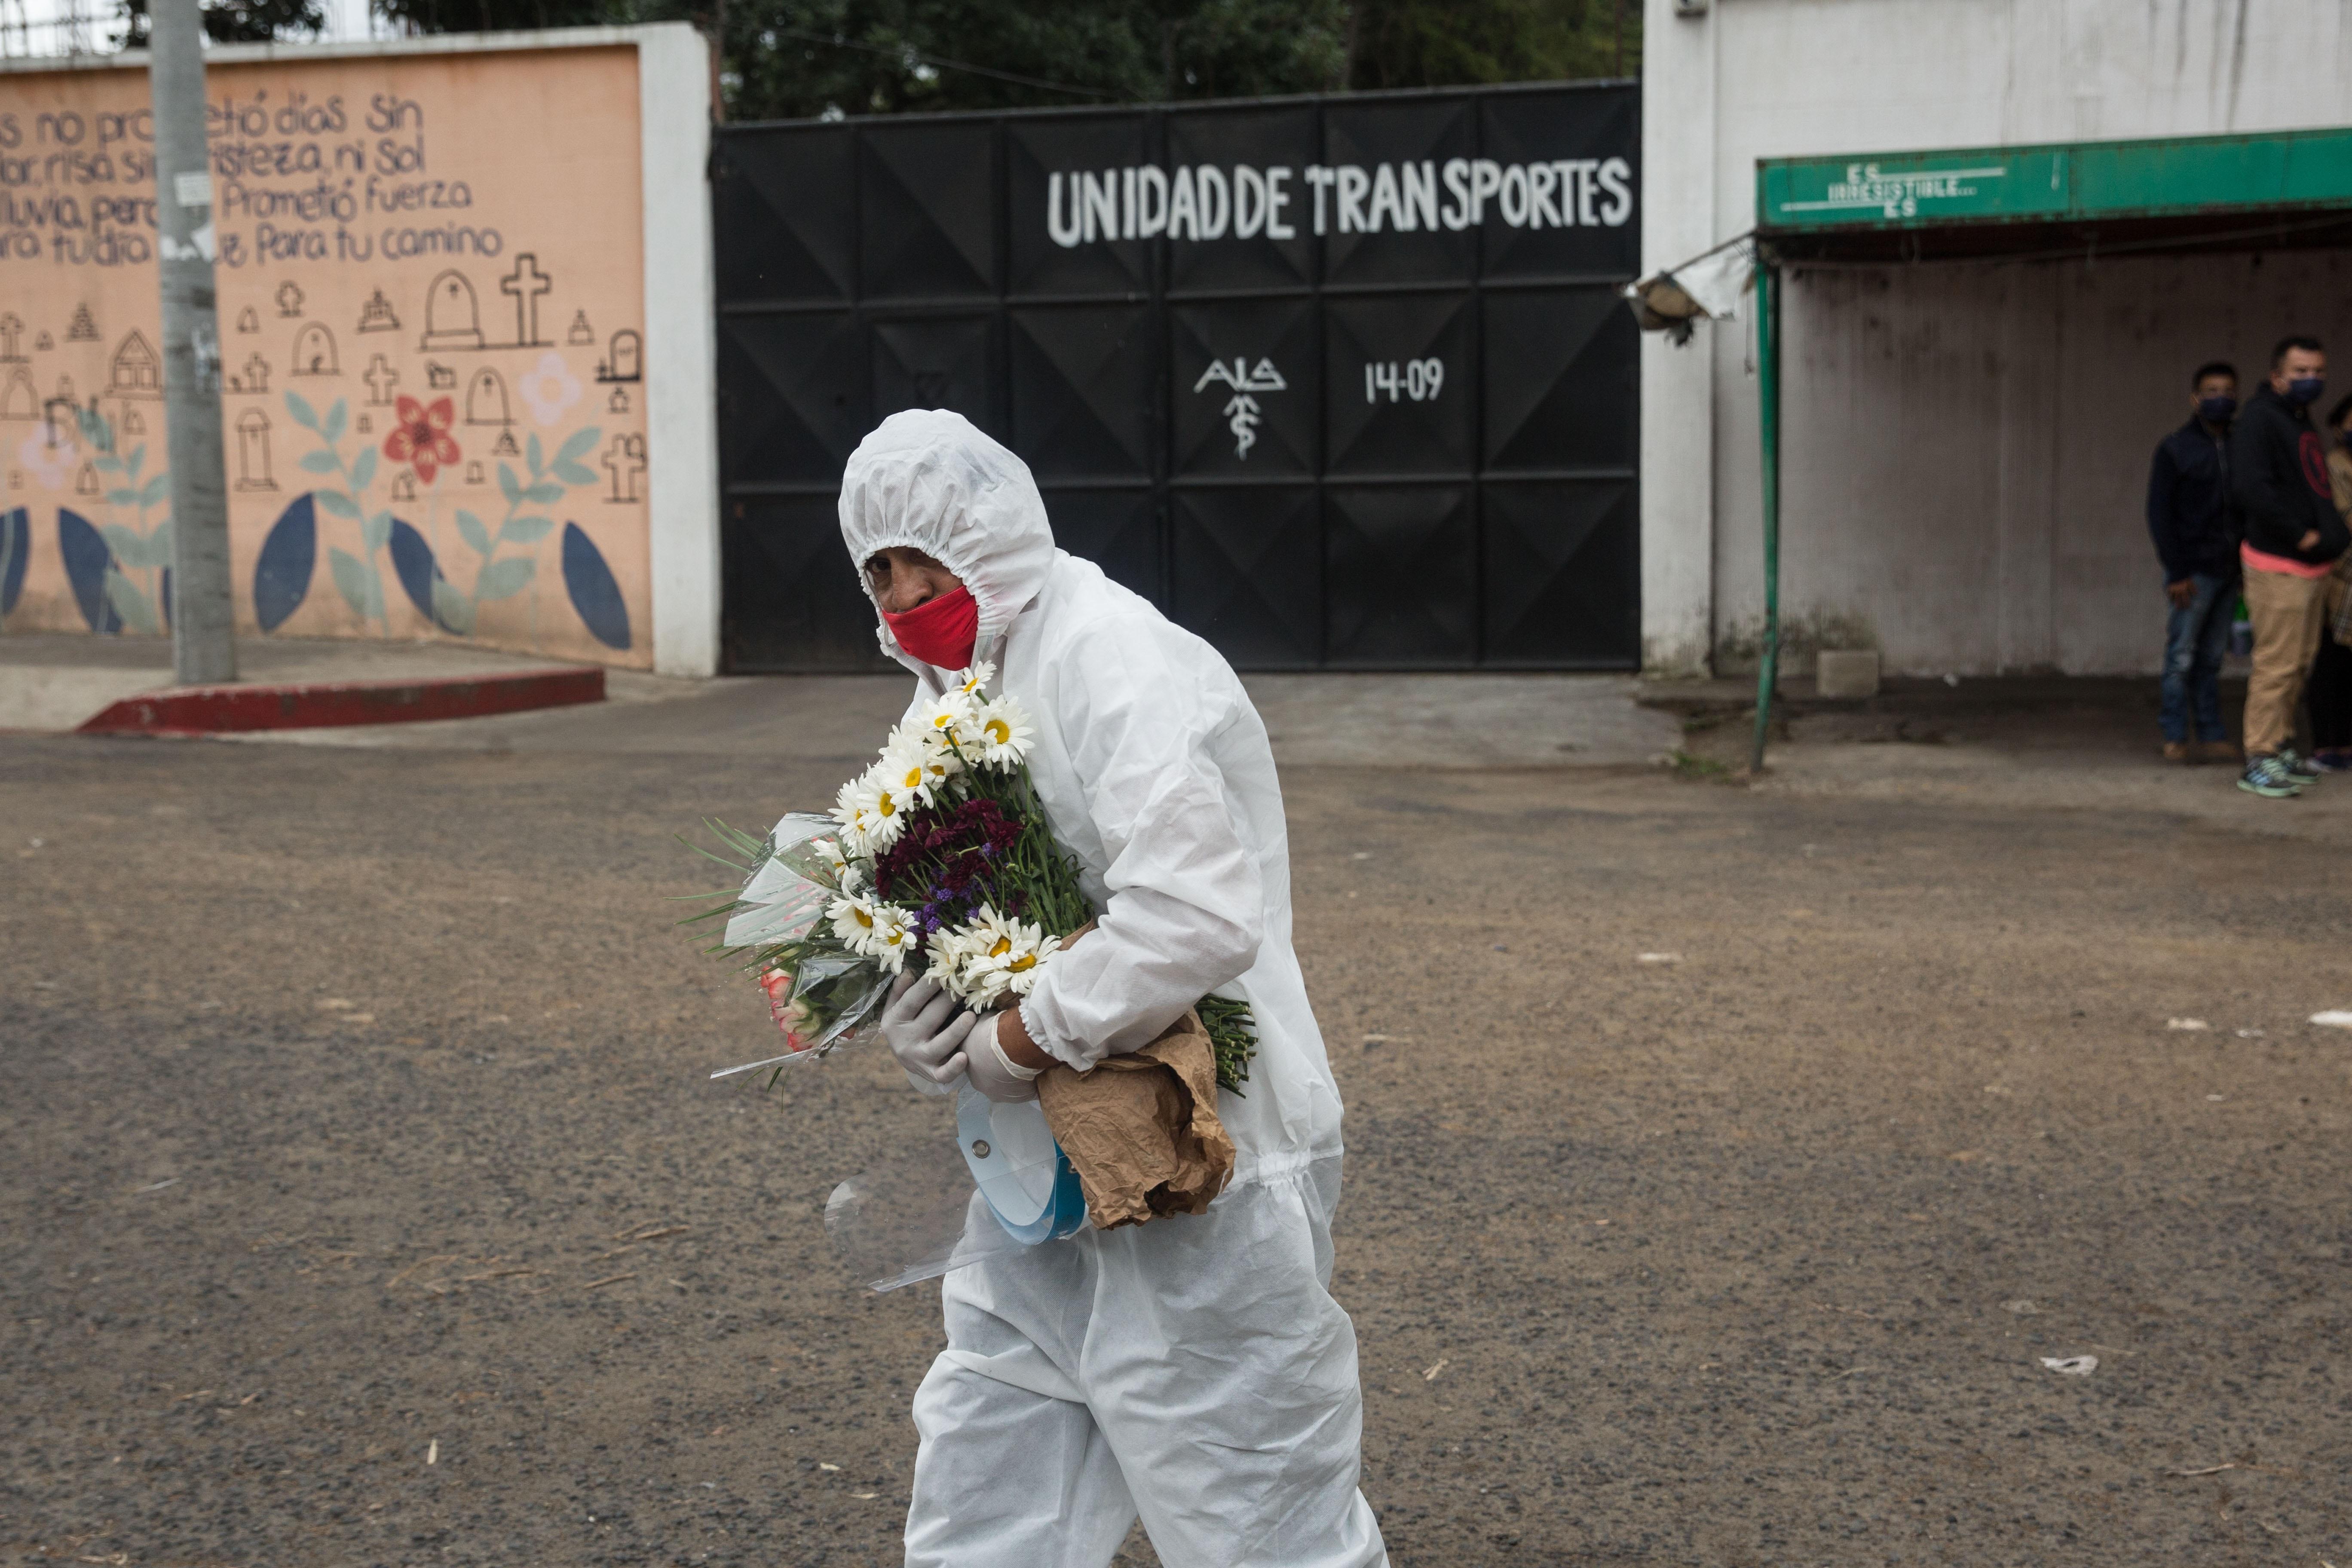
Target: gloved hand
(993, 1072)
(925, 1029)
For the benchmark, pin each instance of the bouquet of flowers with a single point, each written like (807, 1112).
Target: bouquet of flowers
(938, 856)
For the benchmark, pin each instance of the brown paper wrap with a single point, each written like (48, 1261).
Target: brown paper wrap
(1142, 1130)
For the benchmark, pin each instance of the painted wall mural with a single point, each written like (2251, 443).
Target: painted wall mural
(432, 355)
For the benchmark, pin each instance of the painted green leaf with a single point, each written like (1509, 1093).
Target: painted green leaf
(362, 589)
(95, 428)
(375, 532)
(470, 530)
(578, 445)
(300, 407)
(572, 473)
(528, 529)
(320, 462)
(129, 603)
(362, 466)
(159, 544)
(337, 417)
(509, 486)
(107, 463)
(543, 493)
(505, 578)
(158, 486)
(533, 455)
(128, 547)
(136, 461)
(337, 502)
(122, 494)
(452, 608)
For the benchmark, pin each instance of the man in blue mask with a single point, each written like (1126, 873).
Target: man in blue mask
(2189, 519)
(2278, 482)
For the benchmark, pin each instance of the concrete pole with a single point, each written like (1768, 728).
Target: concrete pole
(203, 649)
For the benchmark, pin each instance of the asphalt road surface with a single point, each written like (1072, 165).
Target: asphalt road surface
(1723, 1167)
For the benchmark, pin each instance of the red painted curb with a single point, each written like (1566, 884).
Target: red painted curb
(303, 705)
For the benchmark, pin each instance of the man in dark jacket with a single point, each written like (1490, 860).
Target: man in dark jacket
(2278, 483)
(2188, 521)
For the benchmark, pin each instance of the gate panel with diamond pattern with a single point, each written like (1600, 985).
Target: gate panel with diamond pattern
(1339, 382)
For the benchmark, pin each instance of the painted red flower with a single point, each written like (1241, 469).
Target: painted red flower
(422, 436)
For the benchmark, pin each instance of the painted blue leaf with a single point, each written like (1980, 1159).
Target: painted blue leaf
(412, 560)
(86, 558)
(290, 553)
(594, 592)
(15, 544)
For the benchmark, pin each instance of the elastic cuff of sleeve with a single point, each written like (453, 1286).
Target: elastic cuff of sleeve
(1026, 1075)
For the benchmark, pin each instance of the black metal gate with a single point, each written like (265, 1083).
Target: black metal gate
(1336, 382)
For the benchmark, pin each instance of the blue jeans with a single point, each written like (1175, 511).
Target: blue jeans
(2195, 638)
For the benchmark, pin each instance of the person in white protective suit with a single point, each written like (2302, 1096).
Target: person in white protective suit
(1194, 1370)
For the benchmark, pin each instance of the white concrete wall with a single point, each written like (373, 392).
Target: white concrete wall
(1965, 447)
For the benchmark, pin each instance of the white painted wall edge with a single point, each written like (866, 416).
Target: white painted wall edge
(681, 348)
(432, 44)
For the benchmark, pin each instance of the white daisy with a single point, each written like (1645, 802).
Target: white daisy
(1002, 735)
(854, 809)
(950, 720)
(894, 938)
(854, 922)
(973, 682)
(1007, 954)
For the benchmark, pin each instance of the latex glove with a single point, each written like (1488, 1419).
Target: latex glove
(925, 1029)
(993, 1072)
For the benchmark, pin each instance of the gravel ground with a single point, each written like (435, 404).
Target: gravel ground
(1723, 1164)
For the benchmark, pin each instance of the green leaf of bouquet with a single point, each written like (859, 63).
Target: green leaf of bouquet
(505, 578)
(572, 473)
(529, 529)
(470, 530)
(337, 502)
(363, 468)
(320, 462)
(300, 407)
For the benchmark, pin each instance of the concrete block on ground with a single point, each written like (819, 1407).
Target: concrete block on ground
(1846, 672)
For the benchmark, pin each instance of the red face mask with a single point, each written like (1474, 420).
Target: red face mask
(941, 632)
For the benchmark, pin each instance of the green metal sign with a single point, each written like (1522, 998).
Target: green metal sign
(2065, 182)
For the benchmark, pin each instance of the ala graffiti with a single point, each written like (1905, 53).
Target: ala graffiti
(1206, 201)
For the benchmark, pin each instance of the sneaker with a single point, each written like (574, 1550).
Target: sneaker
(2298, 766)
(2177, 751)
(2220, 751)
(2268, 777)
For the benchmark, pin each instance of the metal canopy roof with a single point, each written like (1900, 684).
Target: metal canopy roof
(2261, 192)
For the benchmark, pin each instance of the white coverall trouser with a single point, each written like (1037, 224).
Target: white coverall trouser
(1194, 1370)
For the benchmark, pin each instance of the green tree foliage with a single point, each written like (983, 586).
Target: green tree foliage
(1448, 43)
(233, 21)
(800, 58)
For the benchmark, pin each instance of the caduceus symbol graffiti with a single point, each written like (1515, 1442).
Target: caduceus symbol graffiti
(1243, 423)
(1242, 415)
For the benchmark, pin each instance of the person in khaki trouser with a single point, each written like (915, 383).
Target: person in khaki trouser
(2329, 689)
(2278, 482)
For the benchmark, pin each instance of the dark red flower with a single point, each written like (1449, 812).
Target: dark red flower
(422, 438)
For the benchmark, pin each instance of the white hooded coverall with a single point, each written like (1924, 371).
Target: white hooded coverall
(1194, 1370)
